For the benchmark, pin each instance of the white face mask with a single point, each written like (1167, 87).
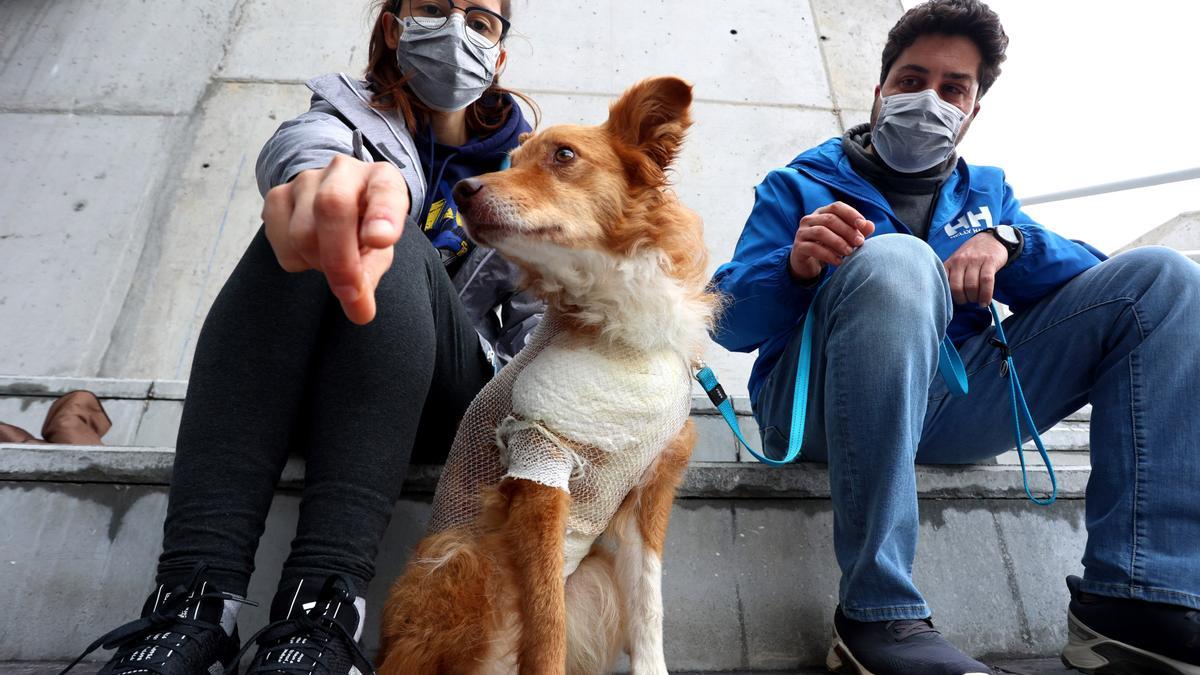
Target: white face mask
(446, 69)
(916, 131)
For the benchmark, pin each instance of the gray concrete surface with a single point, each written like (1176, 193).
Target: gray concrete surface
(109, 56)
(731, 56)
(314, 37)
(213, 214)
(850, 37)
(77, 202)
(803, 480)
(145, 413)
(132, 132)
(1181, 233)
(749, 583)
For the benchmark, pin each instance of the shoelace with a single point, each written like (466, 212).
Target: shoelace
(157, 629)
(308, 636)
(157, 650)
(908, 628)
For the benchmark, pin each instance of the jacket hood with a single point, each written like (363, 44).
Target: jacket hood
(478, 155)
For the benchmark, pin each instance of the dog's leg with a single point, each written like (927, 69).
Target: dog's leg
(438, 617)
(537, 521)
(642, 532)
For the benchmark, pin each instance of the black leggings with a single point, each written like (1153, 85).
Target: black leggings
(279, 370)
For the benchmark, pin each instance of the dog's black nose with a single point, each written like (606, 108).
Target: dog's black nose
(466, 189)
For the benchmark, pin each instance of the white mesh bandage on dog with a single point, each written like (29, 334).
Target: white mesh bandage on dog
(588, 417)
(540, 455)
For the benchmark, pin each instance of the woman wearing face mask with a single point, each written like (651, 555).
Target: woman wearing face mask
(357, 380)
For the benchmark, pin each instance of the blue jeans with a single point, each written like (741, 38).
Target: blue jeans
(1124, 336)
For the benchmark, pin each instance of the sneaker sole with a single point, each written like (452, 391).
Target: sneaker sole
(1095, 654)
(841, 661)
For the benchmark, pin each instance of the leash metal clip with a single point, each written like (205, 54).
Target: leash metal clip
(1005, 354)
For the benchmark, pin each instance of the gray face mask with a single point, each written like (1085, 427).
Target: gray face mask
(446, 69)
(916, 131)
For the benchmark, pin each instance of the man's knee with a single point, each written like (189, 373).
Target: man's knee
(1158, 258)
(897, 272)
(1158, 272)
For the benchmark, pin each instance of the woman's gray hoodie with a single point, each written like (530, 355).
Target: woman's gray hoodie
(503, 314)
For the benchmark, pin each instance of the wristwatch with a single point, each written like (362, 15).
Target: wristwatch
(1012, 239)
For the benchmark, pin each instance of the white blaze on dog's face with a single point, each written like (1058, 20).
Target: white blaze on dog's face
(584, 188)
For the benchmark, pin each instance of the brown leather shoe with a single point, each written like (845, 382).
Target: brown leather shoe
(76, 419)
(11, 434)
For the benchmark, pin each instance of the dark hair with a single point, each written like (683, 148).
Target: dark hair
(391, 91)
(969, 18)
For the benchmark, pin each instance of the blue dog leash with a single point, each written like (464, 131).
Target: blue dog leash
(708, 380)
(1009, 370)
(950, 366)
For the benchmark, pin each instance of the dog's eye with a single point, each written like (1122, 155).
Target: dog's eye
(564, 155)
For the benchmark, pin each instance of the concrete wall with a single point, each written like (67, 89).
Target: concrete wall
(131, 131)
(1181, 233)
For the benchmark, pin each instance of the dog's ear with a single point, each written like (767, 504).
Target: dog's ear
(653, 117)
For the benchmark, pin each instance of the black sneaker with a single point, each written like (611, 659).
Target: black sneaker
(1115, 636)
(186, 630)
(895, 648)
(315, 628)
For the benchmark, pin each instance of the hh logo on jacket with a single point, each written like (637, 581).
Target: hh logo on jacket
(970, 223)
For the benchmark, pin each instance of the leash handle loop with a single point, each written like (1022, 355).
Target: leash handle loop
(1020, 408)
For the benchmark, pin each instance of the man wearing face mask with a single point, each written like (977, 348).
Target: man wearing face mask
(355, 331)
(893, 242)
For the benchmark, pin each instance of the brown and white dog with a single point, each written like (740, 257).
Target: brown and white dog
(545, 552)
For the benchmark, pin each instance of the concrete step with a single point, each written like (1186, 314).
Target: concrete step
(1008, 667)
(750, 578)
(146, 413)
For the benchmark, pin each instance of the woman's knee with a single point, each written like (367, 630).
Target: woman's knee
(408, 282)
(414, 251)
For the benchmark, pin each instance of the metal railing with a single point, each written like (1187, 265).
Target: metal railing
(1116, 186)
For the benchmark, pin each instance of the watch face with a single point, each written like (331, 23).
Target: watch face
(1007, 235)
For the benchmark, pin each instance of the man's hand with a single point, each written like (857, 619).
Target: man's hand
(972, 269)
(342, 220)
(825, 237)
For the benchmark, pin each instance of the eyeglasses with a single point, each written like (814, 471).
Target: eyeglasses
(485, 27)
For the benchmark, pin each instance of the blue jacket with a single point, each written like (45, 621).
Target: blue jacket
(766, 304)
